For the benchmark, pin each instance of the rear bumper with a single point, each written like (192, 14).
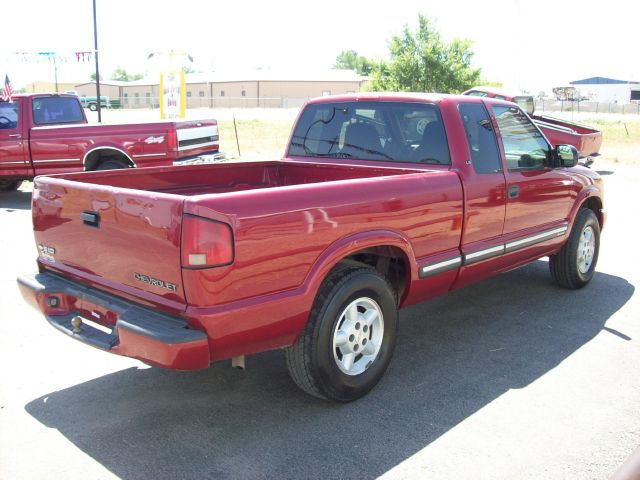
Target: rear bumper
(137, 332)
(212, 157)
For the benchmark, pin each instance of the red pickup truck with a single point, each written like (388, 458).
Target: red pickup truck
(45, 133)
(382, 201)
(587, 140)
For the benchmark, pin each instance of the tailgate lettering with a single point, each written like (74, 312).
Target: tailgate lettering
(172, 287)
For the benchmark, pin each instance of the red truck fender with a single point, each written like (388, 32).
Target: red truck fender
(92, 157)
(588, 198)
(358, 242)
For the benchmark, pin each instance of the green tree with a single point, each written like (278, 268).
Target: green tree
(422, 61)
(350, 60)
(122, 75)
(93, 77)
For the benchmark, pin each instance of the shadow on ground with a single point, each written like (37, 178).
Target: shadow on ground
(15, 200)
(455, 354)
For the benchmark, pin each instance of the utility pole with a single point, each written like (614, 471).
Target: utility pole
(95, 42)
(55, 72)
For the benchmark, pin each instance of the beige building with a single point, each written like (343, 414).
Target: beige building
(261, 88)
(135, 94)
(49, 87)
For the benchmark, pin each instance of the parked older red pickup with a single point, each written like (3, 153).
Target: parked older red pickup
(381, 201)
(46, 133)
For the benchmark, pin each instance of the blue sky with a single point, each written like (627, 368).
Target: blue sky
(526, 44)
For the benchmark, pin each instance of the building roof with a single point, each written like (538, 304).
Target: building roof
(115, 83)
(599, 81)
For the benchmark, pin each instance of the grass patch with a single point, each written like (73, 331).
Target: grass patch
(266, 139)
(617, 131)
(256, 137)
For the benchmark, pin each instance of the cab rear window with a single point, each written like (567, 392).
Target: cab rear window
(384, 131)
(52, 110)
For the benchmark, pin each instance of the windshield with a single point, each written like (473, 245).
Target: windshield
(386, 131)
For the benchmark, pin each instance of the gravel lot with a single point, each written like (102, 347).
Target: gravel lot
(510, 378)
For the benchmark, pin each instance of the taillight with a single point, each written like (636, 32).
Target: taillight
(172, 140)
(205, 243)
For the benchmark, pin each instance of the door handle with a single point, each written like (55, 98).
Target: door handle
(513, 191)
(15, 135)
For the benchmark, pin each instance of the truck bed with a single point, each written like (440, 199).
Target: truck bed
(587, 140)
(120, 227)
(232, 177)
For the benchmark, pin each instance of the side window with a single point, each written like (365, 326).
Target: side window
(481, 138)
(524, 146)
(51, 110)
(8, 115)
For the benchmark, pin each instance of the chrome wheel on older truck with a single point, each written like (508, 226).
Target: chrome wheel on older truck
(349, 338)
(574, 265)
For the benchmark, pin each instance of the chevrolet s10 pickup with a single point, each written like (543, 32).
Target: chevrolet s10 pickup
(380, 201)
(45, 133)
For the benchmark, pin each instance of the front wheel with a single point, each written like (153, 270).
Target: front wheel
(575, 264)
(349, 338)
(93, 107)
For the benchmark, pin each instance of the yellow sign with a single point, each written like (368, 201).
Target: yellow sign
(173, 94)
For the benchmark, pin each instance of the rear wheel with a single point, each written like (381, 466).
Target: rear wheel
(574, 265)
(349, 338)
(111, 165)
(9, 185)
(93, 107)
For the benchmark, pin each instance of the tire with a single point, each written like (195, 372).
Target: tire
(93, 107)
(111, 165)
(574, 265)
(349, 338)
(9, 185)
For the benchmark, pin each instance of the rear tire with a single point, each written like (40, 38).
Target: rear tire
(575, 264)
(93, 107)
(9, 185)
(111, 165)
(349, 338)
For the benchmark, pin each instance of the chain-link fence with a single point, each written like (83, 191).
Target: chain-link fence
(552, 105)
(211, 102)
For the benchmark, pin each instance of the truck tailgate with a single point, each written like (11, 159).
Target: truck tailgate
(115, 238)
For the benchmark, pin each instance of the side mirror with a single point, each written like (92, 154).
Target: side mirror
(567, 155)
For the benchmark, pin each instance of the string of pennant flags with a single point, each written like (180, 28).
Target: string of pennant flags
(58, 57)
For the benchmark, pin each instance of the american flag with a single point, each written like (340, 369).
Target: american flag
(7, 91)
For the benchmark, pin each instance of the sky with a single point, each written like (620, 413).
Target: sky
(525, 44)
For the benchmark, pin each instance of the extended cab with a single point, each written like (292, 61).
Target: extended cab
(381, 201)
(45, 133)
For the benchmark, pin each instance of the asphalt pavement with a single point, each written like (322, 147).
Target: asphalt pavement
(513, 377)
